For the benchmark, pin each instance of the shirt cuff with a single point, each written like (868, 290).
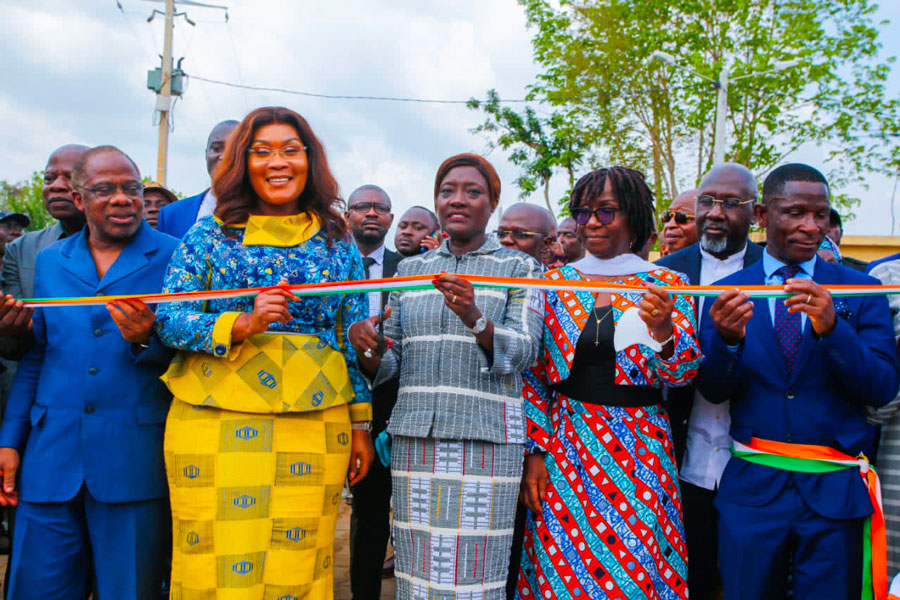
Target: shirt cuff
(221, 336)
(360, 411)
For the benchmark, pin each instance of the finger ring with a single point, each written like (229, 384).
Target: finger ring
(368, 353)
(808, 298)
(655, 312)
(453, 299)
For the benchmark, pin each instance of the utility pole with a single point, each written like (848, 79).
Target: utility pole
(167, 82)
(722, 94)
(721, 115)
(163, 101)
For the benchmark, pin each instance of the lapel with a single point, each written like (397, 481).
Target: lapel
(693, 264)
(78, 260)
(133, 257)
(753, 254)
(389, 269)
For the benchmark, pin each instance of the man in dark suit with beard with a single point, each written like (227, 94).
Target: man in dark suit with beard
(724, 212)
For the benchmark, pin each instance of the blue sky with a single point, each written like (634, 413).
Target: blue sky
(76, 72)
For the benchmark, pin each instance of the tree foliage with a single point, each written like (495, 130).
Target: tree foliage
(25, 197)
(540, 145)
(595, 57)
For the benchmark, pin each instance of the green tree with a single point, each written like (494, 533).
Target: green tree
(596, 62)
(25, 197)
(540, 146)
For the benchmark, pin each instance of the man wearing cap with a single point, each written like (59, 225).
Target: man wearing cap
(156, 196)
(176, 218)
(11, 227)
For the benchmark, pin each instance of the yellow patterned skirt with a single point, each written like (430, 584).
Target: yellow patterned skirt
(254, 501)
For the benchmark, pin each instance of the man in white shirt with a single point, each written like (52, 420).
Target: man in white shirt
(724, 212)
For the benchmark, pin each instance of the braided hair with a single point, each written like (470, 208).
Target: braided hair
(631, 190)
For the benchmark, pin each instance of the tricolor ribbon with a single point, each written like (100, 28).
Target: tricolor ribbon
(807, 458)
(423, 282)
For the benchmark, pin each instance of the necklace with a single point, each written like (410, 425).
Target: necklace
(599, 320)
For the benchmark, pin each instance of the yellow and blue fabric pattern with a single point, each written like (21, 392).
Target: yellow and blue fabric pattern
(254, 501)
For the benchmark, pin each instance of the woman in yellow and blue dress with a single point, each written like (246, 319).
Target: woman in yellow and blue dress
(270, 409)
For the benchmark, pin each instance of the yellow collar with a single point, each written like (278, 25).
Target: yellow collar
(283, 232)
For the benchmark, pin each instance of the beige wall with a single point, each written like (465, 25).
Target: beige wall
(861, 247)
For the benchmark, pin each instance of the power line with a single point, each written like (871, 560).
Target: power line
(242, 86)
(133, 30)
(342, 96)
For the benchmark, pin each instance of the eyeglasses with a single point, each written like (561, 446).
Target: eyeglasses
(517, 234)
(104, 191)
(681, 217)
(364, 207)
(604, 214)
(707, 201)
(264, 153)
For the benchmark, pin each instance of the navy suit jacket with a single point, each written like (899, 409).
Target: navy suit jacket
(86, 408)
(822, 402)
(681, 399)
(176, 218)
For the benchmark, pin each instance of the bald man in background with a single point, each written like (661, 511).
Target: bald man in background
(531, 229)
(176, 218)
(679, 228)
(18, 267)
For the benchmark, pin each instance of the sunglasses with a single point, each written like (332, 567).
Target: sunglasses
(680, 217)
(517, 234)
(604, 214)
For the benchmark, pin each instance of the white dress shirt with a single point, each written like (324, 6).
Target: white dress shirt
(207, 205)
(376, 271)
(708, 440)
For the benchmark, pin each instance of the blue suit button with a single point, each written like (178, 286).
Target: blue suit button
(93, 371)
(89, 409)
(98, 332)
(221, 349)
(790, 395)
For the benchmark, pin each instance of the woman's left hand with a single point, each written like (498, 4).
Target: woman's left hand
(362, 453)
(459, 296)
(656, 307)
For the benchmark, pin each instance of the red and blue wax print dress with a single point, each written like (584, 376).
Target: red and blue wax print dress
(611, 525)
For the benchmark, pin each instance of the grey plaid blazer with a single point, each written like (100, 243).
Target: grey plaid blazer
(449, 387)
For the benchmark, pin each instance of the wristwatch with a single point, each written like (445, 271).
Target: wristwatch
(479, 326)
(361, 426)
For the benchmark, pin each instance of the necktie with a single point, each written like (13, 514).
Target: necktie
(368, 261)
(787, 325)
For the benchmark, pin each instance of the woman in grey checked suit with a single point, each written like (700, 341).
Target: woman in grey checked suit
(458, 427)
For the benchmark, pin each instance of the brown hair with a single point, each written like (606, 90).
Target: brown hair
(471, 160)
(235, 197)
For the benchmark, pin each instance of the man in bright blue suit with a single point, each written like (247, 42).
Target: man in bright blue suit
(797, 371)
(176, 218)
(87, 410)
